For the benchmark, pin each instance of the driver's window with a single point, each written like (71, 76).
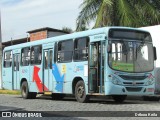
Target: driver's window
(144, 52)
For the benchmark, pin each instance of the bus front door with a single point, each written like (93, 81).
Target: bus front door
(96, 67)
(48, 54)
(16, 73)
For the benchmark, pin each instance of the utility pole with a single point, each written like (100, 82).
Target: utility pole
(0, 53)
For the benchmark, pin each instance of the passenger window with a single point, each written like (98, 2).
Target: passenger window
(25, 56)
(81, 49)
(51, 55)
(36, 55)
(65, 51)
(46, 59)
(7, 59)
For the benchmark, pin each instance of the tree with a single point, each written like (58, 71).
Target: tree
(67, 30)
(132, 13)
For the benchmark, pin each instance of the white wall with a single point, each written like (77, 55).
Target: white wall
(0, 67)
(155, 33)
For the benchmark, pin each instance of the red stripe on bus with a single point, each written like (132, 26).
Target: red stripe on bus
(38, 80)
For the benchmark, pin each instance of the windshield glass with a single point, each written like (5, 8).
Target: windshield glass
(131, 56)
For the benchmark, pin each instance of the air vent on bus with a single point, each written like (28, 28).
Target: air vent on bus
(126, 77)
(131, 83)
(133, 89)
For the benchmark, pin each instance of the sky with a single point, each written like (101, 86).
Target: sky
(20, 16)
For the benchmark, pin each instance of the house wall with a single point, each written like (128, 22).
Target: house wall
(53, 34)
(38, 35)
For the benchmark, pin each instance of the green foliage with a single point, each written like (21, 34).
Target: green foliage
(131, 13)
(67, 30)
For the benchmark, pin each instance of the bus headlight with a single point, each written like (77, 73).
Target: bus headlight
(115, 80)
(150, 80)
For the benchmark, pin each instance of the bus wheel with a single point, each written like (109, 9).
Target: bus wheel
(119, 98)
(80, 92)
(57, 96)
(25, 91)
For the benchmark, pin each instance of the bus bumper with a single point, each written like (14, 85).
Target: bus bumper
(112, 89)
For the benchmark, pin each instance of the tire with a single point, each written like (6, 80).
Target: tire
(56, 96)
(80, 93)
(25, 91)
(119, 98)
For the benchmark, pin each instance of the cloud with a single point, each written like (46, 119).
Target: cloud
(20, 16)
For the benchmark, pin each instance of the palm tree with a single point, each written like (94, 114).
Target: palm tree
(133, 13)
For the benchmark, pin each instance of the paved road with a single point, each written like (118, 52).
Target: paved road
(14, 102)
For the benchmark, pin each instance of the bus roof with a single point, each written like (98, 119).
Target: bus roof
(103, 30)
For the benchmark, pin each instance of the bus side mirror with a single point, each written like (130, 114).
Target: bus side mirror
(109, 48)
(155, 53)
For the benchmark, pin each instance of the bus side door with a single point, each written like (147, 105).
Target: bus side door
(96, 64)
(16, 80)
(47, 78)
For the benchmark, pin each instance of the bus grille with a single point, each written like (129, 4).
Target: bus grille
(126, 77)
(133, 89)
(131, 83)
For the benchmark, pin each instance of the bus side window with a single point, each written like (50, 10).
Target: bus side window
(25, 56)
(65, 51)
(51, 56)
(36, 55)
(7, 59)
(81, 49)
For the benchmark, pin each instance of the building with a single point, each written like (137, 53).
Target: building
(37, 34)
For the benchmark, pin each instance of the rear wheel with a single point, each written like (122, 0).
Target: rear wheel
(25, 91)
(119, 98)
(80, 92)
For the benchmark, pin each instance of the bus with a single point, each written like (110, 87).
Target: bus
(108, 61)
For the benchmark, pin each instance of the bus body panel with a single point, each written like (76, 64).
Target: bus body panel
(59, 77)
(64, 73)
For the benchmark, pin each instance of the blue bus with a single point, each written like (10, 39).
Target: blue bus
(109, 61)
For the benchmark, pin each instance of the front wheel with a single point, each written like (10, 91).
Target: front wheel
(80, 92)
(119, 98)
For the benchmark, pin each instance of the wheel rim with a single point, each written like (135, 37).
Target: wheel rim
(80, 91)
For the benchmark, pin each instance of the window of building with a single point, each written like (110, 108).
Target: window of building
(81, 49)
(65, 51)
(25, 56)
(36, 55)
(8, 59)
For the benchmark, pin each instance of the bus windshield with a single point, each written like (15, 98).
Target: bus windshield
(131, 56)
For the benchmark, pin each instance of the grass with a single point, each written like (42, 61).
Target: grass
(10, 92)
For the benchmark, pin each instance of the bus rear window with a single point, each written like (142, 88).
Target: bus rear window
(7, 59)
